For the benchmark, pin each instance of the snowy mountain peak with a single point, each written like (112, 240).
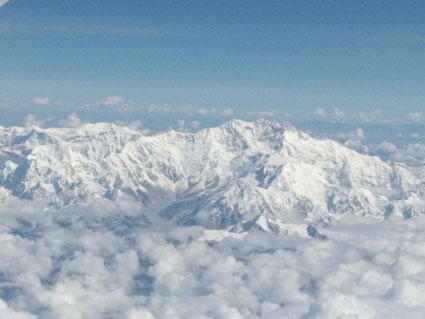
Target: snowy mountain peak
(236, 176)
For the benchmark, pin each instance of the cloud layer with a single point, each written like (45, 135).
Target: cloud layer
(336, 114)
(108, 261)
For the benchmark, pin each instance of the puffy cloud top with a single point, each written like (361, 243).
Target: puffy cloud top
(107, 261)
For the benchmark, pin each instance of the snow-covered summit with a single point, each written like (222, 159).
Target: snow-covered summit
(235, 176)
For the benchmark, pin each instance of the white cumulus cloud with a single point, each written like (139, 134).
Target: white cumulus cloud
(320, 112)
(116, 102)
(332, 114)
(105, 260)
(375, 116)
(33, 120)
(227, 112)
(336, 114)
(72, 120)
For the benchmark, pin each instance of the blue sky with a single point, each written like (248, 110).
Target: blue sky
(296, 59)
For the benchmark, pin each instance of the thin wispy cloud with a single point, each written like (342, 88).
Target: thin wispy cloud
(416, 117)
(13, 28)
(397, 37)
(41, 100)
(190, 110)
(336, 114)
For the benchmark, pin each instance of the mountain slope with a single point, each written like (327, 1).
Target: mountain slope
(237, 176)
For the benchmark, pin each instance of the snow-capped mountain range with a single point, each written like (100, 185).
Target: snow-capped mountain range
(237, 176)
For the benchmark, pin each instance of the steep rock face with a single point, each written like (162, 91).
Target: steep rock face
(236, 176)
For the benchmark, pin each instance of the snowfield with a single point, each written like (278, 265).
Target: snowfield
(240, 175)
(245, 220)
